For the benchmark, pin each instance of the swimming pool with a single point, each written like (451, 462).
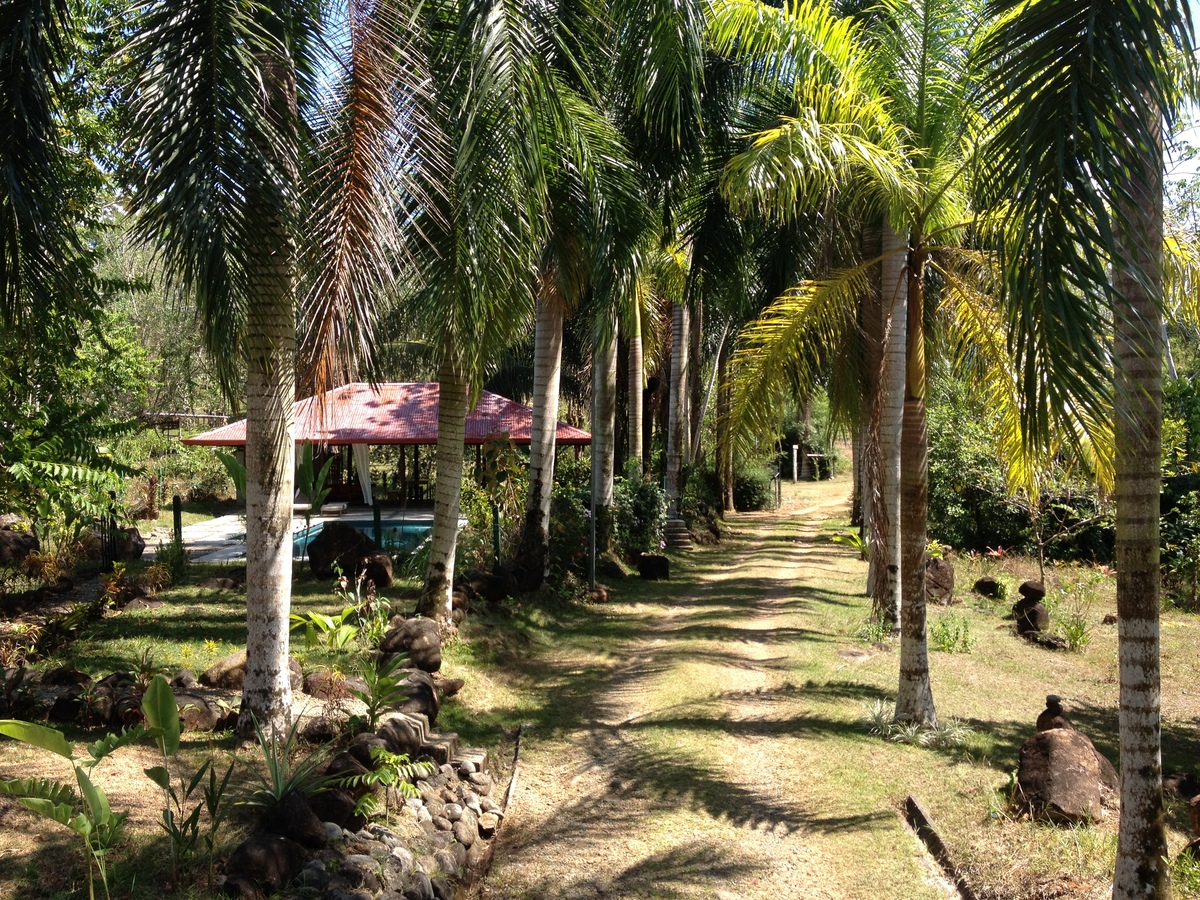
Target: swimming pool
(396, 537)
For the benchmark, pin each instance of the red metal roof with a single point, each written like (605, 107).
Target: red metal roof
(394, 413)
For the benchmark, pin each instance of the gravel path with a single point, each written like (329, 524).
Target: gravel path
(672, 784)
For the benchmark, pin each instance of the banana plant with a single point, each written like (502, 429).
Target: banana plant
(87, 813)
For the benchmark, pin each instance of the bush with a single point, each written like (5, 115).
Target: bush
(570, 509)
(639, 513)
(752, 489)
(196, 474)
(969, 506)
(1180, 539)
(173, 559)
(951, 633)
(701, 501)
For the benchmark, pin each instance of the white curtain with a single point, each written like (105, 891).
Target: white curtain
(362, 464)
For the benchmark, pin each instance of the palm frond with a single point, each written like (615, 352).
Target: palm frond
(796, 165)
(373, 130)
(213, 159)
(788, 348)
(1075, 91)
(40, 252)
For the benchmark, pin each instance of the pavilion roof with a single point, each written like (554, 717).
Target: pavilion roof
(394, 413)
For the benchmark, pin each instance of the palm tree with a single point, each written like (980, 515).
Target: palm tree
(219, 202)
(1083, 87)
(218, 140)
(598, 215)
(878, 116)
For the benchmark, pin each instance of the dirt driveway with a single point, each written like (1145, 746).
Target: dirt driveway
(687, 774)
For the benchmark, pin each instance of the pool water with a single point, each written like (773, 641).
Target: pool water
(395, 538)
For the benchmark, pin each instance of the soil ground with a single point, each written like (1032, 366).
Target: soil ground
(689, 774)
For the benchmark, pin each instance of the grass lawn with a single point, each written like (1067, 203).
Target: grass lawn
(192, 513)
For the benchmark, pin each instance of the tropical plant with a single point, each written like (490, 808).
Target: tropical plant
(854, 540)
(182, 827)
(311, 485)
(217, 809)
(174, 559)
(281, 772)
(383, 688)
(334, 632)
(951, 633)
(87, 813)
(393, 772)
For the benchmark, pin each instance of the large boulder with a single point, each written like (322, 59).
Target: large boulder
(654, 567)
(422, 696)
(351, 551)
(294, 819)
(16, 545)
(229, 674)
(419, 639)
(1033, 591)
(1053, 716)
(1059, 777)
(263, 864)
(130, 543)
(402, 734)
(332, 686)
(490, 586)
(987, 586)
(939, 581)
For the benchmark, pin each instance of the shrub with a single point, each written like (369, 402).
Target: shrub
(174, 559)
(639, 513)
(951, 633)
(969, 505)
(752, 490)
(1180, 540)
(570, 508)
(1070, 608)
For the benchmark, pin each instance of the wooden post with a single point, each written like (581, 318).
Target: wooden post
(177, 512)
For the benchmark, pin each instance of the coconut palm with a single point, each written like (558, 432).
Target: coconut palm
(1077, 150)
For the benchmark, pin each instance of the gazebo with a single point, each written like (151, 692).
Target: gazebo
(359, 415)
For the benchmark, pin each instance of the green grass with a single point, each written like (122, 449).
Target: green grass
(191, 513)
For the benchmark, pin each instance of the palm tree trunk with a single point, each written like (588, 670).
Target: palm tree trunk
(1142, 863)
(914, 699)
(270, 450)
(867, 458)
(724, 439)
(695, 387)
(636, 377)
(677, 418)
(604, 434)
(534, 551)
(894, 303)
(704, 402)
(857, 473)
(437, 599)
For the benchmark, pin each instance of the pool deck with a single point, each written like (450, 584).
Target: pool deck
(224, 539)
